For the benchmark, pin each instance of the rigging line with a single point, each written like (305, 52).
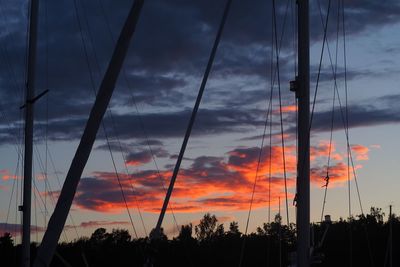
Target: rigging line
(134, 191)
(38, 157)
(116, 135)
(16, 206)
(280, 43)
(320, 60)
(52, 198)
(346, 111)
(27, 38)
(342, 114)
(270, 137)
(347, 139)
(348, 145)
(37, 192)
(59, 184)
(280, 112)
(144, 132)
(268, 112)
(355, 177)
(8, 61)
(339, 99)
(47, 104)
(346, 131)
(347, 126)
(294, 32)
(280, 231)
(13, 186)
(256, 178)
(269, 179)
(48, 185)
(119, 181)
(270, 119)
(329, 156)
(282, 34)
(327, 178)
(35, 209)
(17, 137)
(102, 123)
(193, 115)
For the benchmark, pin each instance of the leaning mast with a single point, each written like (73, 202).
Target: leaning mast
(64, 202)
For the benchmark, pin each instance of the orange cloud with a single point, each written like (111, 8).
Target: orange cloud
(360, 151)
(6, 175)
(286, 109)
(214, 183)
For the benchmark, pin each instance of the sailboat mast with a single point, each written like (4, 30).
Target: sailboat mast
(64, 202)
(303, 162)
(29, 112)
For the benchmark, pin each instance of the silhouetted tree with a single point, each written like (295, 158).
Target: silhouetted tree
(270, 246)
(98, 236)
(118, 237)
(234, 229)
(158, 236)
(185, 234)
(208, 228)
(6, 241)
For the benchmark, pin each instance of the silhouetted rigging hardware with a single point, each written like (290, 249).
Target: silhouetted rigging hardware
(294, 86)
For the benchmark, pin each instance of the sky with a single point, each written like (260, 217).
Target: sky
(155, 93)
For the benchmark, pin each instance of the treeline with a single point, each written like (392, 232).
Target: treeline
(359, 241)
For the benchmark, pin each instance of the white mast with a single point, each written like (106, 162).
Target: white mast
(303, 162)
(29, 102)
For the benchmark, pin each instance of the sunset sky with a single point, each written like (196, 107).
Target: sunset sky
(156, 92)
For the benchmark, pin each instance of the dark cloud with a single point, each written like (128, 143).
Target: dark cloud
(157, 125)
(164, 65)
(385, 111)
(141, 156)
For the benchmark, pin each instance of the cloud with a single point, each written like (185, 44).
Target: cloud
(93, 224)
(360, 151)
(16, 229)
(140, 156)
(382, 112)
(6, 175)
(159, 72)
(214, 183)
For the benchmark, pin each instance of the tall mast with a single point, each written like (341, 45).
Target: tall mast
(157, 230)
(303, 162)
(29, 102)
(57, 220)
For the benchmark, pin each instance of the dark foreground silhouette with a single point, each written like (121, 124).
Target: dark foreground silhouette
(364, 240)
